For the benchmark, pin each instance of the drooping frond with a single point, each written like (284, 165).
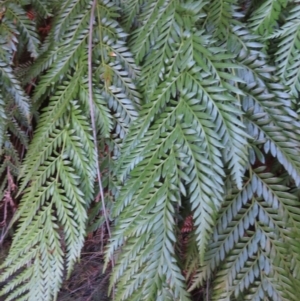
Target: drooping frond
(14, 107)
(263, 99)
(190, 86)
(58, 173)
(54, 198)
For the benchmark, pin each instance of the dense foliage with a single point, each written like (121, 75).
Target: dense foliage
(175, 123)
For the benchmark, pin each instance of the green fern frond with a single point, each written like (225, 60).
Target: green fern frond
(69, 57)
(163, 217)
(42, 8)
(2, 120)
(26, 27)
(265, 16)
(245, 256)
(288, 55)
(154, 15)
(59, 170)
(182, 137)
(220, 15)
(46, 134)
(69, 11)
(257, 99)
(55, 187)
(13, 87)
(130, 10)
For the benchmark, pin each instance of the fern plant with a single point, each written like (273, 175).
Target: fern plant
(184, 113)
(59, 170)
(215, 113)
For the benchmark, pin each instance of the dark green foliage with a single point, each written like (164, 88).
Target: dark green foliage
(198, 145)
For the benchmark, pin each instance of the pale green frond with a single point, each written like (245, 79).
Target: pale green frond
(130, 10)
(68, 58)
(154, 15)
(2, 120)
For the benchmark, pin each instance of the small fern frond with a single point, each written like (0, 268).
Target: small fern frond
(130, 10)
(13, 87)
(48, 122)
(264, 18)
(42, 8)
(2, 120)
(69, 11)
(288, 55)
(220, 15)
(26, 27)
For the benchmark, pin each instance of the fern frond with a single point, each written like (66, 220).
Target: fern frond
(42, 7)
(25, 26)
(55, 186)
(163, 263)
(181, 140)
(69, 11)
(2, 120)
(13, 87)
(288, 55)
(257, 98)
(116, 68)
(221, 14)
(58, 173)
(130, 10)
(68, 58)
(47, 138)
(265, 16)
(248, 256)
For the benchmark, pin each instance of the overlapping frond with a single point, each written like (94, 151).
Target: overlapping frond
(188, 109)
(14, 106)
(181, 143)
(56, 197)
(264, 101)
